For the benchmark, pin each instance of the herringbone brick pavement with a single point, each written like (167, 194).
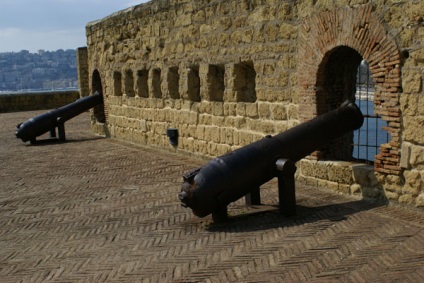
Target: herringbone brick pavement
(100, 210)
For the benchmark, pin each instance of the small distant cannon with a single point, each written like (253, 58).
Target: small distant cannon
(225, 179)
(38, 125)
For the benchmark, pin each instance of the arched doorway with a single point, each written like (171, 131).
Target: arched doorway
(96, 86)
(336, 82)
(358, 33)
(344, 75)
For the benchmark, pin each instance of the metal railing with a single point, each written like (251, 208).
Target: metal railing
(370, 136)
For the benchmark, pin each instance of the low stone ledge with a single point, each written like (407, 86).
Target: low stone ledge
(28, 101)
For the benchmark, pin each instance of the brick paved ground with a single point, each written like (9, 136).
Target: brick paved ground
(95, 210)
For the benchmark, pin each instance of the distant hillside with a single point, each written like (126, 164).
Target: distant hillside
(44, 70)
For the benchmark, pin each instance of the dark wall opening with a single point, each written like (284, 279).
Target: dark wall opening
(96, 86)
(245, 82)
(193, 83)
(336, 82)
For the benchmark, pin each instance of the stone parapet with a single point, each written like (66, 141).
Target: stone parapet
(226, 73)
(27, 101)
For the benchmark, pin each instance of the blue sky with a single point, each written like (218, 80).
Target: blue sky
(51, 24)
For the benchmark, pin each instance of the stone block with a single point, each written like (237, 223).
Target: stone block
(407, 37)
(413, 182)
(419, 201)
(188, 144)
(272, 31)
(321, 170)
(406, 155)
(417, 157)
(245, 138)
(193, 118)
(212, 149)
(406, 199)
(226, 136)
(235, 122)
(252, 110)
(223, 149)
(418, 56)
(215, 134)
(288, 31)
(262, 93)
(278, 111)
(420, 106)
(241, 109)
(260, 14)
(306, 167)
(340, 172)
(409, 104)
(200, 132)
(411, 82)
(411, 124)
(264, 111)
(280, 126)
(390, 195)
(236, 140)
(240, 21)
(307, 180)
(268, 68)
(285, 12)
(218, 121)
(263, 126)
(230, 109)
(225, 23)
(205, 119)
(217, 108)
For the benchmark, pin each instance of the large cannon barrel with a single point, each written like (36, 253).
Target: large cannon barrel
(227, 178)
(43, 123)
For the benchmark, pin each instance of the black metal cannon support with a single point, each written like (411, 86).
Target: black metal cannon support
(227, 178)
(60, 131)
(285, 170)
(49, 121)
(286, 188)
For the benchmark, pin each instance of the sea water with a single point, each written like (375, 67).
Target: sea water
(370, 133)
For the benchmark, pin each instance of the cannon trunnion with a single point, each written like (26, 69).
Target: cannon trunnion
(227, 178)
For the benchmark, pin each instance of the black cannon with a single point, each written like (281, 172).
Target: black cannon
(38, 125)
(227, 178)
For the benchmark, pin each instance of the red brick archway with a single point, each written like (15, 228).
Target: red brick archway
(362, 30)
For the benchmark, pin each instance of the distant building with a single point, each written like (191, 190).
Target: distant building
(31, 71)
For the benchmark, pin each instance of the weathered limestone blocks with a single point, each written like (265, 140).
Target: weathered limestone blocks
(357, 179)
(412, 81)
(412, 156)
(227, 73)
(412, 132)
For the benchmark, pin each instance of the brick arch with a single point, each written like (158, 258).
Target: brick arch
(362, 30)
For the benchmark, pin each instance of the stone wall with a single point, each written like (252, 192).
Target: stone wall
(83, 81)
(27, 101)
(226, 73)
